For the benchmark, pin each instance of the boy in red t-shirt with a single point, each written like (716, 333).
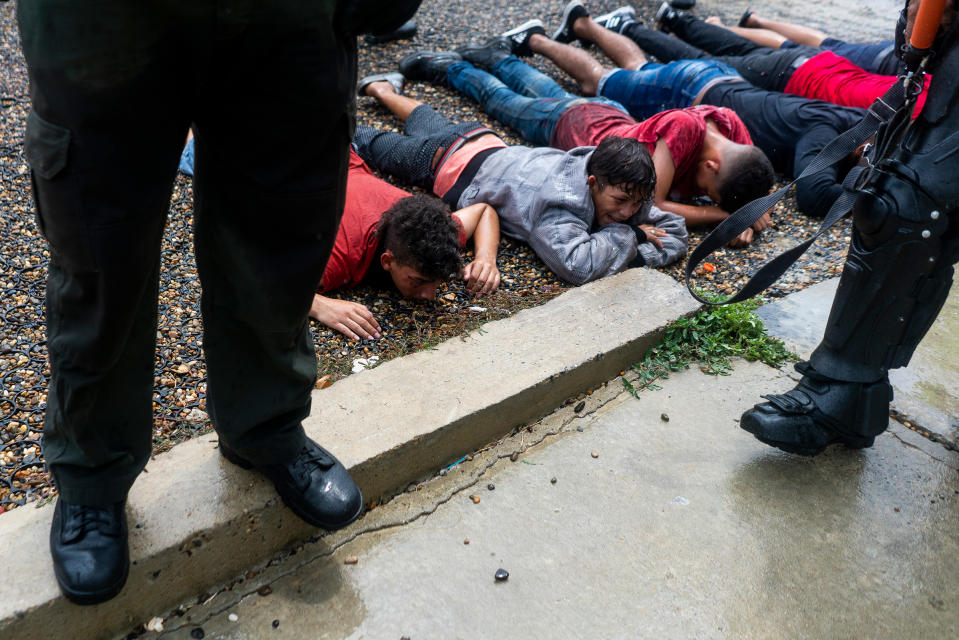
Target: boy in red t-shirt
(697, 151)
(414, 239)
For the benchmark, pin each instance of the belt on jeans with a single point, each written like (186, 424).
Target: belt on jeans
(798, 62)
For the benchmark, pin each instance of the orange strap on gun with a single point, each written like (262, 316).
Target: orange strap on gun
(927, 23)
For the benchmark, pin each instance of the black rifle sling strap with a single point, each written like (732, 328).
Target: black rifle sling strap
(882, 111)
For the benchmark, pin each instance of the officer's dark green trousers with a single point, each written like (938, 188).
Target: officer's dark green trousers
(268, 86)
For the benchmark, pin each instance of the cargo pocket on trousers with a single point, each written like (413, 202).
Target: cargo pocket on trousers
(56, 193)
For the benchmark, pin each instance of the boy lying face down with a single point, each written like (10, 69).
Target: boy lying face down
(697, 151)
(586, 212)
(389, 235)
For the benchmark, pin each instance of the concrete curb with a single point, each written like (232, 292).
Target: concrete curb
(196, 521)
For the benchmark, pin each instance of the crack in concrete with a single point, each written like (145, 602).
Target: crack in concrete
(457, 487)
(926, 433)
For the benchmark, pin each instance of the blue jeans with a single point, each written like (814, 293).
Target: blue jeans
(879, 57)
(518, 95)
(656, 87)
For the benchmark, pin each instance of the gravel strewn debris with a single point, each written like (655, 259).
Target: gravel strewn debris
(179, 398)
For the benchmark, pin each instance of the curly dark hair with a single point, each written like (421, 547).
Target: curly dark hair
(746, 174)
(624, 163)
(420, 233)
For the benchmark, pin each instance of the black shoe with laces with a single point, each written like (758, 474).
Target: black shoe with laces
(519, 37)
(616, 19)
(487, 54)
(429, 66)
(314, 485)
(91, 558)
(573, 12)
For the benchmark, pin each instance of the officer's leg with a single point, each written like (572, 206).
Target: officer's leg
(896, 279)
(102, 141)
(267, 211)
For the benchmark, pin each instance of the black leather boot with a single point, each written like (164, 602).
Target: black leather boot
(821, 411)
(91, 557)
(314, 485)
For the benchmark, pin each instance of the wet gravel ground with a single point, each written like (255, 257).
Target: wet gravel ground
(180, 371)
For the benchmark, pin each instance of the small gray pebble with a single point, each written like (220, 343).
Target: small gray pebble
(501, 575)
(442, 472)
(491, 486)
(552, 480)
(664, 418)
(276, 624)
(198, 633)
(579, 428)
(580, 407)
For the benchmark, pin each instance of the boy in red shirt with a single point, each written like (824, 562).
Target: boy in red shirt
(801, 70)
(696, 151)
(412, 239)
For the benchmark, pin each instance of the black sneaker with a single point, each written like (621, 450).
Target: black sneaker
(395, 78)
(683, 5)
(91, 557)
(616, 19)
(519, 37)
(573, 12)
(430, 66)
(664, 15)
(487, 54)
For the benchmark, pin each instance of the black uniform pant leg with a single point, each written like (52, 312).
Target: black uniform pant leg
(273, 130)
(102, 142)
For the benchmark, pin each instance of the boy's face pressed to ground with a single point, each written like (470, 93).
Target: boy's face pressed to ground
(410, 282)
(611, 202)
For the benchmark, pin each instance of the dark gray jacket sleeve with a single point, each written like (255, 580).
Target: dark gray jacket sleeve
(675, 243)
(564, 243)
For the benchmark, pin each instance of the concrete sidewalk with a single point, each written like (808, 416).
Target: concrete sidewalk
(678, 529)
(629, 519)
(197, 522)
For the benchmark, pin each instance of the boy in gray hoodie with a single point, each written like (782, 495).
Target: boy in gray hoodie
(587, 212)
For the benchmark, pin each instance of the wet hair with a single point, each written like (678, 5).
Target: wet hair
(421, 233)
(745, 174)
(624, 163)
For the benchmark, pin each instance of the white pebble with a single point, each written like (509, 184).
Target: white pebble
(233, 617)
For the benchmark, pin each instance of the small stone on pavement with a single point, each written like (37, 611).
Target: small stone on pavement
(501, 575)
(198, 633)
(491, 486)
(595, 454)
(351, 560)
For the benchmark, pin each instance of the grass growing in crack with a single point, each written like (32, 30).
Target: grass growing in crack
(710, 338)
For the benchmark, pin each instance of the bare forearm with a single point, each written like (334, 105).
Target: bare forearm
(486, 237)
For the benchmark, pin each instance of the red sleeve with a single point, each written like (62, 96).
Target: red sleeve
(460, 231)
(336, 274)
(683, 134)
